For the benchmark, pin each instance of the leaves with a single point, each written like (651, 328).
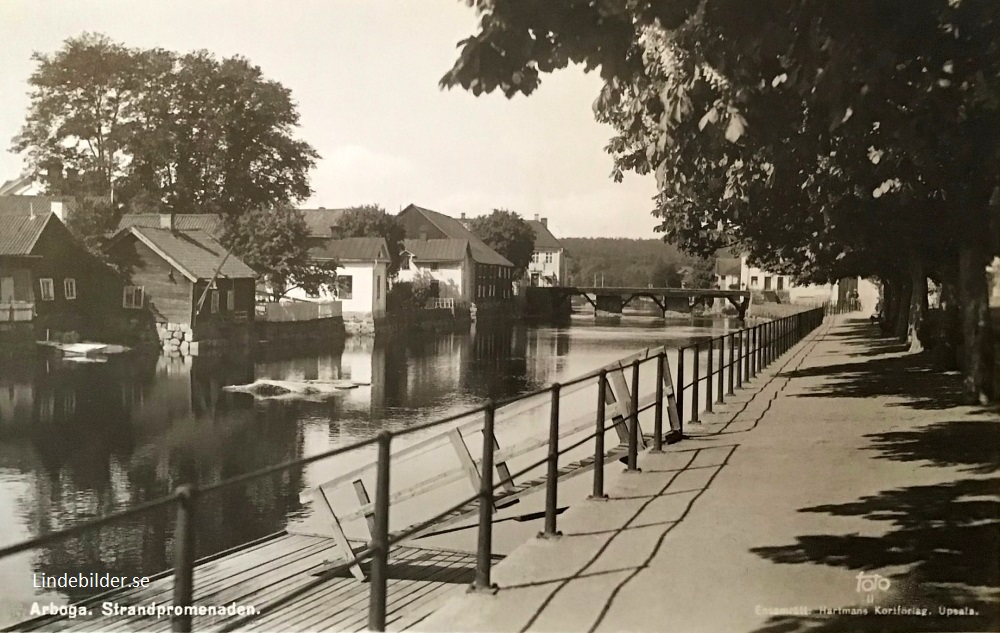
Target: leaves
(506, 233)
(371, 220)
(737, 126)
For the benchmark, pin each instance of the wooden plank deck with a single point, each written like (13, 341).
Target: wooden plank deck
(281, 579)
(298, 582)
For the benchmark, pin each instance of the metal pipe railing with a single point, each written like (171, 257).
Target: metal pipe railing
(750, 349)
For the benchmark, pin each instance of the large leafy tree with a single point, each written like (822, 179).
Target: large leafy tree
(508, 234)
(371, 220)
(194, 133)
(271, 242)
(827, 139)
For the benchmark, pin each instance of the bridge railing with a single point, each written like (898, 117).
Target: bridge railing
(756, 346)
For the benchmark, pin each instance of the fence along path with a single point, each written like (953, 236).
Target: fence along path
(307, 581)
(456, 441)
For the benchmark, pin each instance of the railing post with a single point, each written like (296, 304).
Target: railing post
(746, 355)
(732, 368)
(552, 478)
(183, 558)
(680, 384)
(658, 406)
(721, 386)
(633, 428)
(695, 379)
(709, 366)
(602, 386)
(380, 537)
(484, 549)
(739, 359)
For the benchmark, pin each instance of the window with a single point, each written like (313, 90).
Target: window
(48, 289)
(215, 301)
(69, 288)
(753, 281)
(344, 288)
(548, 258)
(767, 282)
(404, 261)
(231, 300)
(781, 283)
(432, 266)
(132, 297)
(378, 286)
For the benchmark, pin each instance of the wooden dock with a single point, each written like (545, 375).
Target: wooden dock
(279, 578)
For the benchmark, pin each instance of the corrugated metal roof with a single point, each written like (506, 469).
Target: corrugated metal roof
(352, 249)
(320, 221)
(208, 222)
(18, 234)
(543, 236)
(195, 253)
(446, 250)
(481, 252)
(33, 205)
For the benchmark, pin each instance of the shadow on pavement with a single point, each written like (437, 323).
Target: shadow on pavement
(946, 536)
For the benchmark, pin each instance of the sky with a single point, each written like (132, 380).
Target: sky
(364, 74)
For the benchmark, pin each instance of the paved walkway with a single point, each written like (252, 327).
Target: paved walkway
(846, 456)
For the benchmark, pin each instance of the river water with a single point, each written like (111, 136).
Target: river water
(79, 441)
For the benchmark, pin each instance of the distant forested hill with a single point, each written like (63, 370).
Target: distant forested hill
(629, 262)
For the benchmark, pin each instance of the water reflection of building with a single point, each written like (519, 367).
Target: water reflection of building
(80, 441)
(545, 348)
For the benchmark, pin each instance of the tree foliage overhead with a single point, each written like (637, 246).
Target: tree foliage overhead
(826, 139)
(371, 220)
(508, 234)
(188, 133)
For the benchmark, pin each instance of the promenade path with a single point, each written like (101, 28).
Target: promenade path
(845, 456)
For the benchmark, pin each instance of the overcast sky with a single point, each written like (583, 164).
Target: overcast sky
(364, 74)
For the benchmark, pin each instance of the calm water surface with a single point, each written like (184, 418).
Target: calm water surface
(79, 441)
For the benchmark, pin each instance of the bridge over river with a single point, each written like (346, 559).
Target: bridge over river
(549, 302)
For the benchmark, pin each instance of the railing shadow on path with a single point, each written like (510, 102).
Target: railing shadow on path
(945, 535)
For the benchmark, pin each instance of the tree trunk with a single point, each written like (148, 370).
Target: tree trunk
(902, 318)
(977, 339)
(950, 336)
(888, 306)
(918, 303)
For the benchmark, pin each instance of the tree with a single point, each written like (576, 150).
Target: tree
(506, 233)
(275, 243)
(194, 133)
(773, 127)
(371, 220)
(92, 221)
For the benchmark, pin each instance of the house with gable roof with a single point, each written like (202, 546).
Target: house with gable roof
(49, 280)
(186, 282)
(486, 277)
(548, 265)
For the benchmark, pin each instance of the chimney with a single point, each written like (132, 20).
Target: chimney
(463, 215)
(167, 221)
(536, 217)
(59, 210)
(545, 222)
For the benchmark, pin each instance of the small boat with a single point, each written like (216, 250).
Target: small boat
(289, 389)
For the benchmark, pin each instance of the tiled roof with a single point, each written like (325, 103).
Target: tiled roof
(728, 266)
(321, 220)
(18, 234)
(352, 249)
(481, 252)
(437, 250)
(208, 222)
(194, 253)
(543, 237)
(32, 205)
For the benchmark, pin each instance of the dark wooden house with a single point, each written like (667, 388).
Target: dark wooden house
(186, 282)
(49, 280)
